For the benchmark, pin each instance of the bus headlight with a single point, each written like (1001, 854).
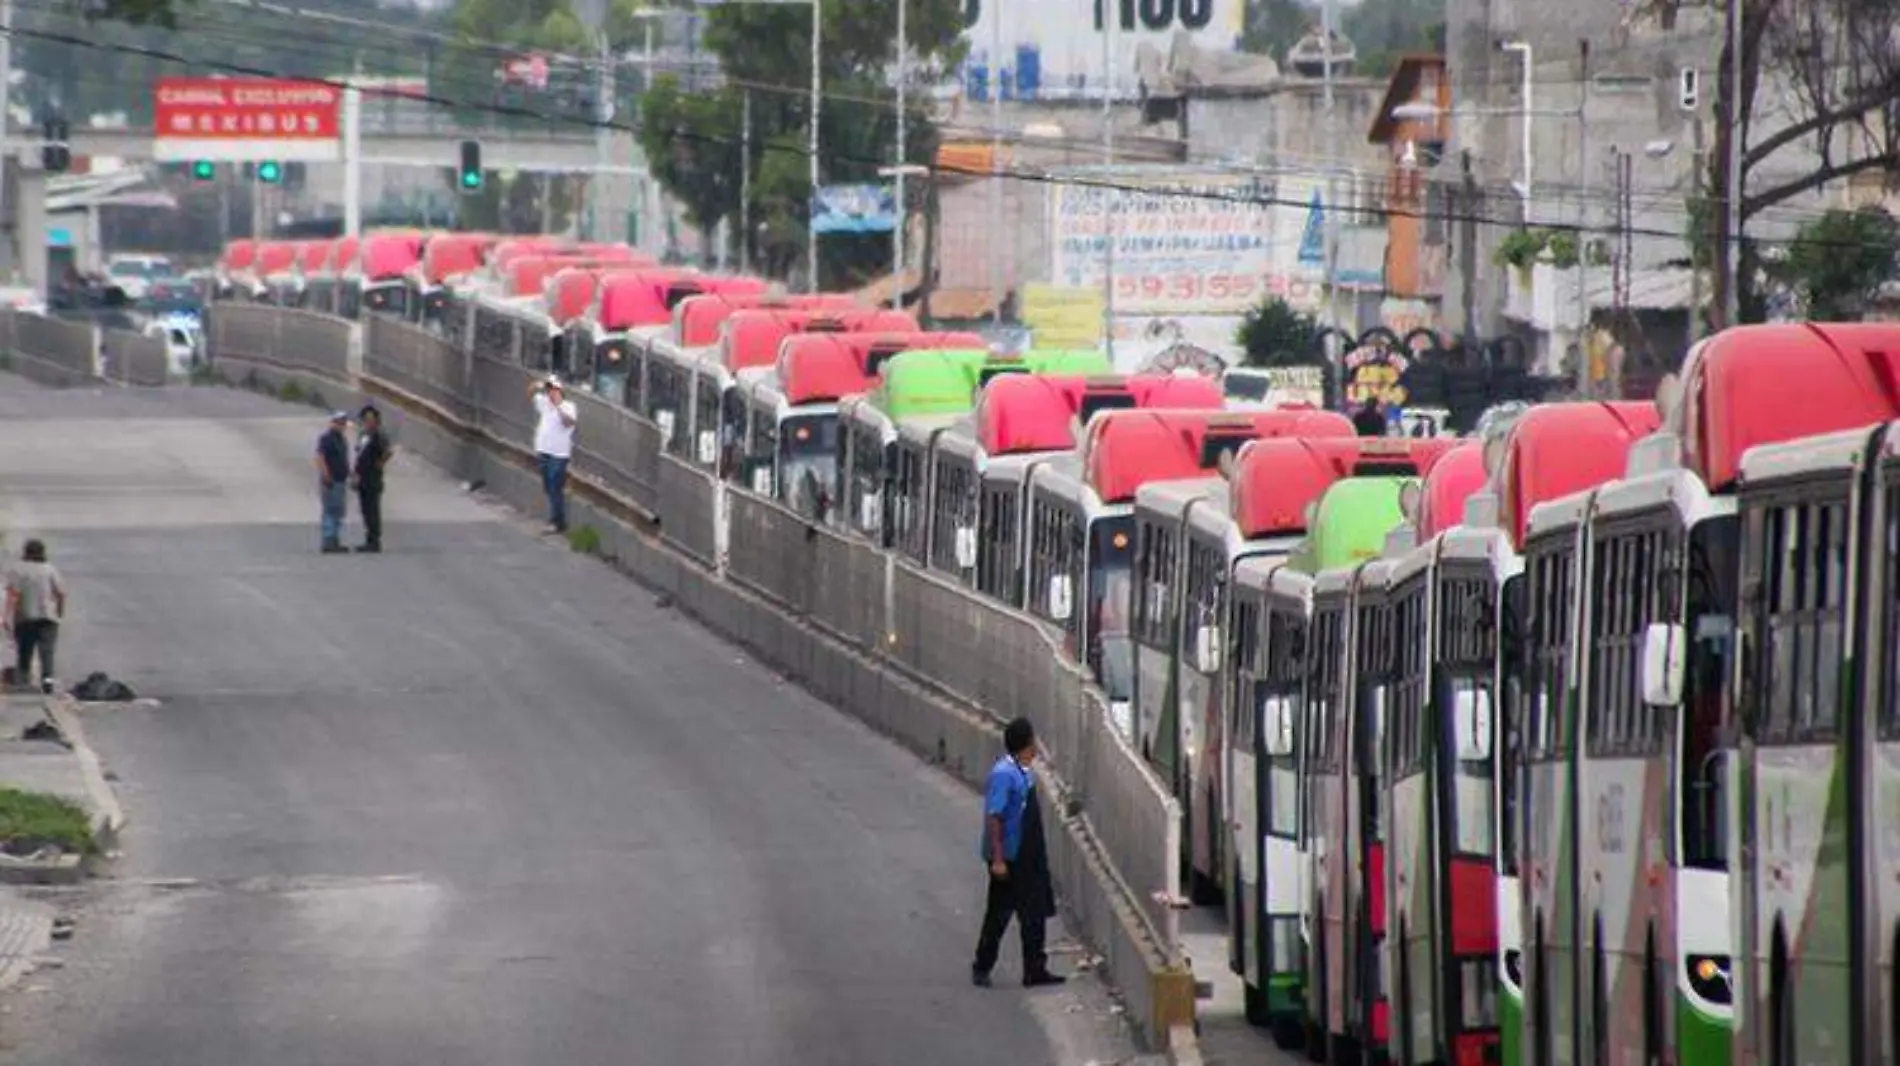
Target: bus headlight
(1708, 978)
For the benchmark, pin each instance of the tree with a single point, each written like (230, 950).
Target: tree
(1274, 334)
(1821, 76)
(1273, 26)
(1383, 31)
(1840, 260)
(694, 141)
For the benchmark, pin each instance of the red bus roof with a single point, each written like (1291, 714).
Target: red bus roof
(1557, 449)
(697, 319)
(869, 348)
(389, 255)
(449, 255)
(642, 297)
(1755, 385)
(1276, 481)
(507, 251)
(1127, 449)
(239, 254)
(571, 289)
(528, 276)
(817, 373)
(1017, 413)
(275, 257)
(752, 338)
(343, 254)
(313, 256)
(1455, 478)
(614, 252)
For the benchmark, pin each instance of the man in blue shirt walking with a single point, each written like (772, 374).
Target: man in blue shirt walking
(1013, 848)
(333, 478)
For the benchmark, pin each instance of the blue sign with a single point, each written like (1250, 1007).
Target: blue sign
(1313, 241)
(59, 237)
(854, 209)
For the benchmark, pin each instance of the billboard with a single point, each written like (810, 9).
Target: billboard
(1191, 242)
(238, 119)
(854, 209)
(1052, 49)
(1063, 318)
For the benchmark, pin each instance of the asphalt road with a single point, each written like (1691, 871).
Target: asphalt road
(475, 801)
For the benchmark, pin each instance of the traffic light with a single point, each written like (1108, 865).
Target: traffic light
(471, 166)
(204, 170)
(270, 172)
(56, 157)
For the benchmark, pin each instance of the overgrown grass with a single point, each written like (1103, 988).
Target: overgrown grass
(292, 393)
(206, 374)
(584, 539)
(30, 821)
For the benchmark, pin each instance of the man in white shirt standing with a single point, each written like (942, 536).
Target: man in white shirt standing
(554, 446)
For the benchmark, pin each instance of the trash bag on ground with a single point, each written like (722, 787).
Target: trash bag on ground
(99, 688)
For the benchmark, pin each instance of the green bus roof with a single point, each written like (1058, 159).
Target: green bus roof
(930, 382)
(1067, 361)
(1354, 517)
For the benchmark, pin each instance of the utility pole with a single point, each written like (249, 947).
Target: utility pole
(352, 156)
(8, 247)
(1583, 218)
(1108, 160)
(1732, 206)
(1695, 272)
(897, 188)
(603, 136)
(811, 236)
(1328, 22)
(997, 229)
(745, 182)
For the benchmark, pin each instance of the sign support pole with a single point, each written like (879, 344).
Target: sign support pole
(811, 225)
(1108, 161)
(353, 157)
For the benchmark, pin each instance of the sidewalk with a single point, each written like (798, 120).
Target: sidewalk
(1226, 1038)
(64, 766)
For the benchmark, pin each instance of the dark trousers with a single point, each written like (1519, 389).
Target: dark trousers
(369, 500)
(1005, 902)
(41, 635)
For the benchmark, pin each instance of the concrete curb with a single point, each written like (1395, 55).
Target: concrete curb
(108, 817)
(1184, 1048)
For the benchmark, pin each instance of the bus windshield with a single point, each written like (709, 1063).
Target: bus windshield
(1510, 727)
(1714, 549)
(808, 460)
(1110, 589)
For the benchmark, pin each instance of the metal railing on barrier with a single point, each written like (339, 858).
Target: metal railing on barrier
(286, 337)
(979, 653)
(68, 350)
(134, 358)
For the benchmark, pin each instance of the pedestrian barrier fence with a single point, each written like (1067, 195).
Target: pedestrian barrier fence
(976, 653)
(134, 358)
(58, 351)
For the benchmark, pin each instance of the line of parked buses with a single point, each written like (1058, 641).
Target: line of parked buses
(1573, 741)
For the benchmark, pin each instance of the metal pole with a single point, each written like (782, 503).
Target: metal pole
(352, 159)
(897, 231)
(1108, 160)
(603, 139)
(8, 248)
(745, 183)
(1583, 221)
(811, 236)
(997, 229)
(1328, 21)
(1695, 272)
(1732, 222)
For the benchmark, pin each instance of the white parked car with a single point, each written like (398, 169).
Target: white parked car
(184, 341)
(133, 274)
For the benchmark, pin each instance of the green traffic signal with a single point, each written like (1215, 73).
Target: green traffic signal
(471, 165)
(204, 170)
(471, 179)
(270, 173)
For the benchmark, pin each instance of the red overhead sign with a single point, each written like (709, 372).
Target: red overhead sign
(246, 119)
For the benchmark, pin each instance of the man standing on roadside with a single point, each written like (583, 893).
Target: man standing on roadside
(333, 479)
(1018, 859)
(36, 601)
(372, 454)
(554, 446)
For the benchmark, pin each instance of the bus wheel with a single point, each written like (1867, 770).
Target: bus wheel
(1288, 1033)
(1400, 1010)
(1599, 998)
(1255, 1000)
(1780, 1002)
(1540, 1006)
(1652, 1005)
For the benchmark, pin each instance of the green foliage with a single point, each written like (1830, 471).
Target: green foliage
(1562, 247)
(1705, 218)
(292, 392)
(1273, 26)
(1521, 247)
(30, 821)
(1384, 30)
(584, 540)
(693, 139)
(1274, 334)
(1838, 261)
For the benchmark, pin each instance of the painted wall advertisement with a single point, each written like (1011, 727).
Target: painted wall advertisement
(1063, 318)
(1052, 49)
(1208, 245)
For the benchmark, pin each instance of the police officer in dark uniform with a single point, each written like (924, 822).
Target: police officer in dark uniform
(372, 454)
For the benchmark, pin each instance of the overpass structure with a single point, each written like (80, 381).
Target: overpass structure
(553, 147)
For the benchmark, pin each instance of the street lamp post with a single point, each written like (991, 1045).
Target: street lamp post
(811, 236)
(899, 171)
(1530, 108)
(898, 174)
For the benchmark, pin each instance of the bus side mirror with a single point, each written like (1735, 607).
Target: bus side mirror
(966, 547)
(708, 447)
(1662, 664)
(1207, 649)
(1061, 598)
(869, 512)
(664, 420)
(1471, 713)
(762, 480)
(1276, 725)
